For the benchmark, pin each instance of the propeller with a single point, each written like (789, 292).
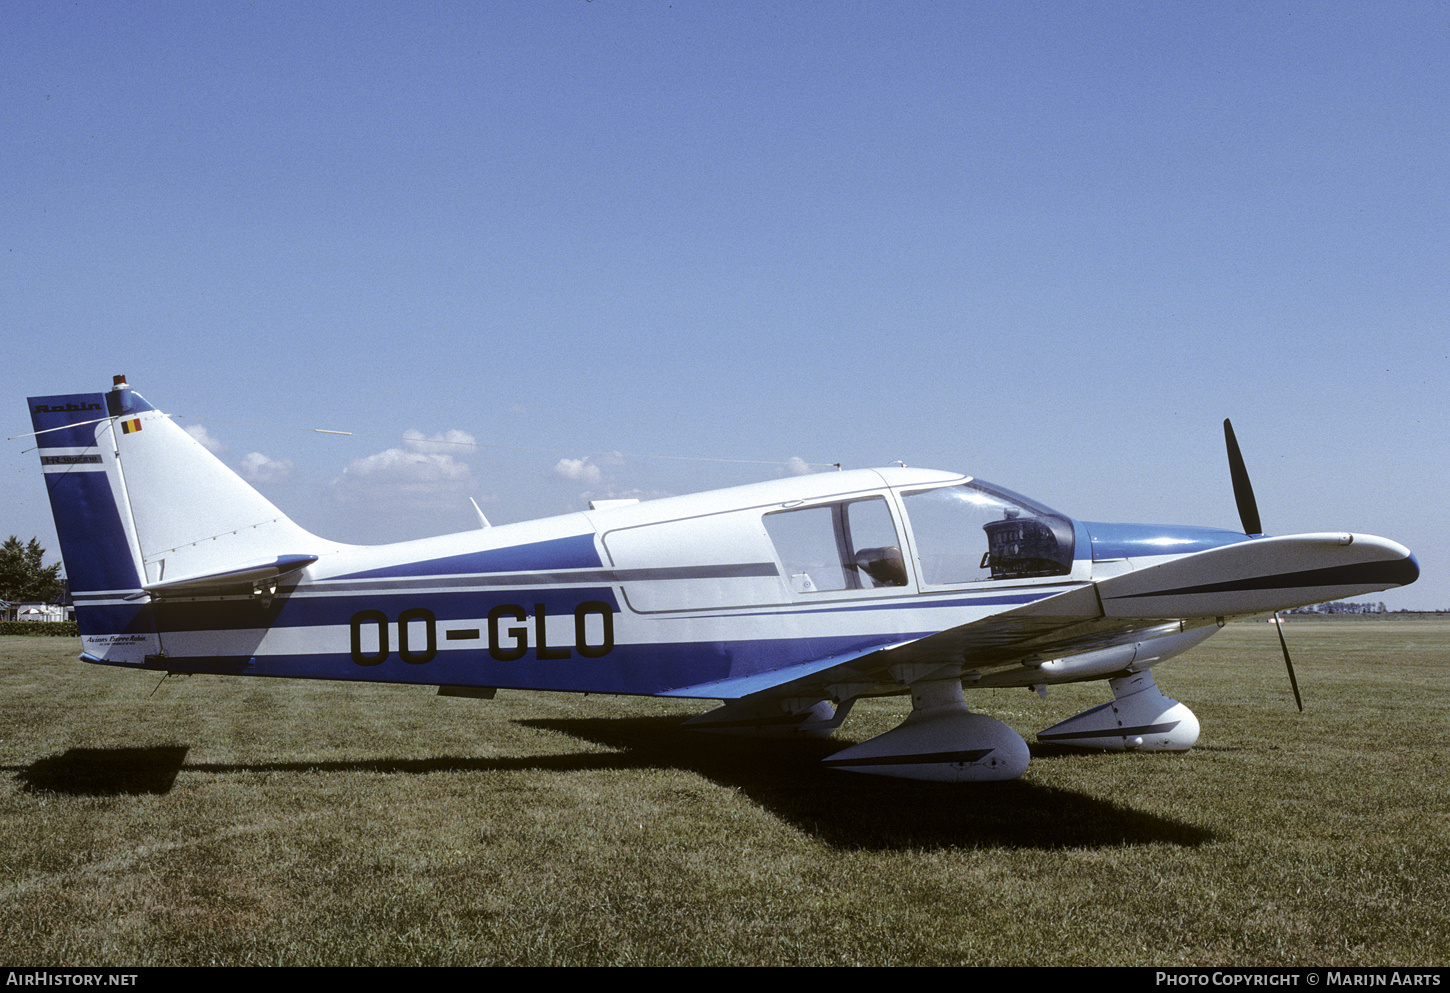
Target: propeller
(1243, 489)
(1249, 515)
(1288, 664)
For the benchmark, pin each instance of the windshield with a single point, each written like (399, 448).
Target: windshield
(974, 532)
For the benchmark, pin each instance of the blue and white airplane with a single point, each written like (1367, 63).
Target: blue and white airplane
(786, 600)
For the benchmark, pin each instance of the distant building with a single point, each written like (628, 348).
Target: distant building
(33, 611)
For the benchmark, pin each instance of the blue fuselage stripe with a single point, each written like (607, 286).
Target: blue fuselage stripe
(251, 613)
(627, 669)
(572, 552)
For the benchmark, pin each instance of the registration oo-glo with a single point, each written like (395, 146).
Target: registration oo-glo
(787, 601)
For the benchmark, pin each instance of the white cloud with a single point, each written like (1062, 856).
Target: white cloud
(412, 479)
(797, 466)
(204, 438)
(579, 471)
(258, 468)
(593, 473)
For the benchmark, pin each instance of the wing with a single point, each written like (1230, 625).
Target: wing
(1196, 590)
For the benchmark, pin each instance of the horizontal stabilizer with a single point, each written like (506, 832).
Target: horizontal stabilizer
(248, 575)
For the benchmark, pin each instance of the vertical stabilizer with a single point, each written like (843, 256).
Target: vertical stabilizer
(143, 510)
(194, 517)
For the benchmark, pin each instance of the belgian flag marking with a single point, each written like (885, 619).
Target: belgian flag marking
(131, 426)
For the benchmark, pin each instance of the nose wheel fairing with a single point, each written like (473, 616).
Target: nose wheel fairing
(1138, 718)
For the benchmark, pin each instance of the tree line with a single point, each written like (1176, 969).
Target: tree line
(24, 576)
(1342, 607)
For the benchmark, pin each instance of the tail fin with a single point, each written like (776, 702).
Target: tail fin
(142, 508)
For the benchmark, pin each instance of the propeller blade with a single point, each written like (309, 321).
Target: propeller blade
(1243, 490)
(1278, 623)
(1249, 515)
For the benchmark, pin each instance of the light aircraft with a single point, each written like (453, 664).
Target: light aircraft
(786, 600)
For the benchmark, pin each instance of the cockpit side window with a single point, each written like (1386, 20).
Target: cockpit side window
(971, 533)
(840, 546)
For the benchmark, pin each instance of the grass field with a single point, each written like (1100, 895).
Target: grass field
(251, 821)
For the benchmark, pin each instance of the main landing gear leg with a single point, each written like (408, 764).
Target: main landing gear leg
(941, 740)
(773, 718)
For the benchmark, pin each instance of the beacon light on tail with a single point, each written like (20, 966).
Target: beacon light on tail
(785, 600)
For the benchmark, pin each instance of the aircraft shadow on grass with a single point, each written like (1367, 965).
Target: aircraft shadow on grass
(134, 771)
(786, 778)
(848, 810)
(105, 771)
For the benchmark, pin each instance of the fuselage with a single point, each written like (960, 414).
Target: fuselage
(695, 595)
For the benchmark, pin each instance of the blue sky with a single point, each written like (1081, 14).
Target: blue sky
(1052, 245)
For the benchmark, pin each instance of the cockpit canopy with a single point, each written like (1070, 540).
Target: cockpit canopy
(976, 531)
(966, 532)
